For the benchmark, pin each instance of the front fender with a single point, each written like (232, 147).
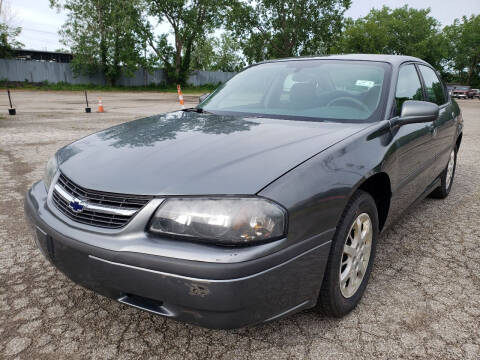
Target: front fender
(316, 192)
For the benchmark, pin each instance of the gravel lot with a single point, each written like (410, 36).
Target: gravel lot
(423, 300)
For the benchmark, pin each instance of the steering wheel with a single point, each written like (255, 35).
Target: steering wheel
(357, 103)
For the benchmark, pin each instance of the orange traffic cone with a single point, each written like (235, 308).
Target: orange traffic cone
(100, 106)
(180, 96)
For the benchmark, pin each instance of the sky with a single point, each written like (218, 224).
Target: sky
(40, 23)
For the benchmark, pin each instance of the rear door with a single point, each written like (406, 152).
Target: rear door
(444, 130)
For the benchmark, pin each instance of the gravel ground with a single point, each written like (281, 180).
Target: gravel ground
(422, 300)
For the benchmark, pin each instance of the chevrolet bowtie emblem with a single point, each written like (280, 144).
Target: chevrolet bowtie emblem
(76, 206)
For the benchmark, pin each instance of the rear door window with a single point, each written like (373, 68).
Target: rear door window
(433, 85)
(409, 86)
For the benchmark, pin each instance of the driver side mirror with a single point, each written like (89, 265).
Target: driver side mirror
(203, 97)
(414, 112)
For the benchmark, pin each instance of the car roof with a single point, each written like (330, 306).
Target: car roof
(392, 59)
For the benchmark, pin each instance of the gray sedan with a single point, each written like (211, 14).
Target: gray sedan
(266, 199)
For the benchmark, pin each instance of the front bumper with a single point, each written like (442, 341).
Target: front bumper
(209, 294)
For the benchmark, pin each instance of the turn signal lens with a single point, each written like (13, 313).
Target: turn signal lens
(50, 171)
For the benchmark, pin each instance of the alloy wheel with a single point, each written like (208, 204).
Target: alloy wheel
(356, 255)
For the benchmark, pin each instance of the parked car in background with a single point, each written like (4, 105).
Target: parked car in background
(266, 199)
(475, 93)
(462, 92)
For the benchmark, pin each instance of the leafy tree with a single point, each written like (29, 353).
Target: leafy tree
(8, 31)
(218, 54)
(464, 49)
(8, 41)
(190, 21)
(203, 55)
(285, 28)
(102, 35)
(401, 31)
(228, 55)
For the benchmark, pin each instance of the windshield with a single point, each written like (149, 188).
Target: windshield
(316, 89)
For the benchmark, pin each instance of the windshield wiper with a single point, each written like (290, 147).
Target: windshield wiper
(197, 110)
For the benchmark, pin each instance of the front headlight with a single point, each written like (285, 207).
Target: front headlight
(230, 221)
(50, 171)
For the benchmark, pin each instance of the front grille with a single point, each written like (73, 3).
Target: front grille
(109, 200)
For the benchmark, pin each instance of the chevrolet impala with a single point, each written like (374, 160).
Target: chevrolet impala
(265, 199)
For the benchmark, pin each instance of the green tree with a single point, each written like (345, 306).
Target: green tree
(464, 49)
(401, 31)
(190, 21)
(204, 53)
(285, 28)
(229, 54)
(103, 36)
(8, 31)
(221, 53)
(8, 40)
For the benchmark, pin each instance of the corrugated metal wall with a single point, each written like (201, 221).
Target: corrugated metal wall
(39, 71)
(142, 78)
(198, 78)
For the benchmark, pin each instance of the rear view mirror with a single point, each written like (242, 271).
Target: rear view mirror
(414, 112)
(203, 97)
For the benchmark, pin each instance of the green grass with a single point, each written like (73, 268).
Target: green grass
(71, 87)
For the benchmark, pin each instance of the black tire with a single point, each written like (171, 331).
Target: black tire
(443, 190)
(331, 302)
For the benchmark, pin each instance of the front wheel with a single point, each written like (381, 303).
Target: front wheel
(447, 176)
(351, 257)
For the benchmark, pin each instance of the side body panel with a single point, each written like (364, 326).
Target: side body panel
(411, 158)
(445, 126)
(317, 191)
(445, 137)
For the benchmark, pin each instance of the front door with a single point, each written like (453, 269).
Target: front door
(414, 148)
(445, 129)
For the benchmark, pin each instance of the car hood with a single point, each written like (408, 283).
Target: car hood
(187, 153)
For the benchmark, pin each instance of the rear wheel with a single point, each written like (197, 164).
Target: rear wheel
(351, 257)
(448, 174)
